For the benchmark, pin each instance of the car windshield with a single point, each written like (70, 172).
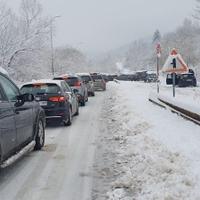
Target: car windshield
(187, 75)
(37, 89)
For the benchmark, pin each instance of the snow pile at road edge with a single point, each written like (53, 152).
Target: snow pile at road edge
(148, 170)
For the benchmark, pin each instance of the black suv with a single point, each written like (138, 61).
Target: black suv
(183, 80)
(187, 80)
(22, 123)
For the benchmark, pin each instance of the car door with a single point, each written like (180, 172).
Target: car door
(8, 137)
(72, 96)
(23, 113)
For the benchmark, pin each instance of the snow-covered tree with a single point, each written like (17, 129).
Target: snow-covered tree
(156, 36)
(32, 30)
(69, 59)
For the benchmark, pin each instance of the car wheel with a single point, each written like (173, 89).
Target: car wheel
(68, 122)
(86, 98)
(40, 135)
(77, 111)
(93, 94)
(83, 102)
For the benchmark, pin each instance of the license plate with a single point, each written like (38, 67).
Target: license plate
(43, 103)
(37, 98)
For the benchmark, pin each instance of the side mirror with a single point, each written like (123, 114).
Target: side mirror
(21, 99)
(28, 97)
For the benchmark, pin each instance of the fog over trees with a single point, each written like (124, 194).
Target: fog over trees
(25, 46)
(141, 53)
(25, 43)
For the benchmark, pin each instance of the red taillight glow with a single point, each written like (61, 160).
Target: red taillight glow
(57, 99)
(78, 83)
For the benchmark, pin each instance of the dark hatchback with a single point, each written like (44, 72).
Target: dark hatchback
(22, 123)
(56, 98)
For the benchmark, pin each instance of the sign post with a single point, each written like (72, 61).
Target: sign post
(174, 76)
(158, 52)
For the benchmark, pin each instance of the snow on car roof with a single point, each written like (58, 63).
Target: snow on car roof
(66, 75)
(151, 72)
(83, 74)
(44, 81)
(3, 71)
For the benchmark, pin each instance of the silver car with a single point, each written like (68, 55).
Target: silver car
(87, 79)
(99, 82)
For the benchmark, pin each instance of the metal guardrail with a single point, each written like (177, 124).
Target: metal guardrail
(191, 116)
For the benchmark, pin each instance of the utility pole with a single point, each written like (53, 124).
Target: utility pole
(52, 45)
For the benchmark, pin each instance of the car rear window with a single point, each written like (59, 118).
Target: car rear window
(188, 76)
(96, 77)
(72, 81)
(37, 89)
(86, 78)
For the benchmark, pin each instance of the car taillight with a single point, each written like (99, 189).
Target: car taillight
(78, 83)
(57, 99)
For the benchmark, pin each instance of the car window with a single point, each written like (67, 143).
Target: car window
(37, 89)
(65, 87)
(9, 88)
(72, 81)
(97, 77)
(1, 96)
(86, 78)
(68, 88)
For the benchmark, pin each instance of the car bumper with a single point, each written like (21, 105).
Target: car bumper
(99, 87)
(56, 113)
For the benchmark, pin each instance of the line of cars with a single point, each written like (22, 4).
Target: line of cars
(143, 75)
(24, 112)
(181, 80)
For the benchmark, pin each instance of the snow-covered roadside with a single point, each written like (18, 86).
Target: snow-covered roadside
(150, 153)
(186, 98)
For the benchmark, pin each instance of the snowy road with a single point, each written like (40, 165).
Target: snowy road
(62, 171)
(142, 152)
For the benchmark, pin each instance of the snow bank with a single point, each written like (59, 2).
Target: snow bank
(149, 167)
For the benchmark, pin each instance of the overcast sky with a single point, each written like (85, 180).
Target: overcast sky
(101, 25)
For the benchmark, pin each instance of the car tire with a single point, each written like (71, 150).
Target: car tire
(86, 98)
(40, 135)
(83, 102)
(68, 122)
(93, 94)
(77, 111)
